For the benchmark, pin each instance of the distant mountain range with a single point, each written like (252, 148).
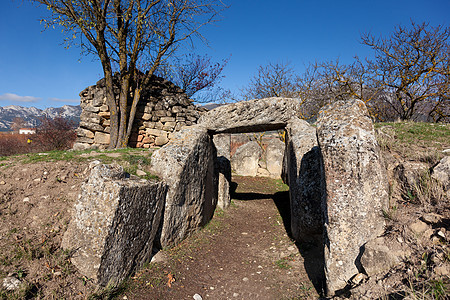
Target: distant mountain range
(31, 115)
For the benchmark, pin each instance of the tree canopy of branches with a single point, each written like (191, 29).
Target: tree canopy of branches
(195, 74)
(131, 38)
(272, 80)
(408, 79)
(412, 65)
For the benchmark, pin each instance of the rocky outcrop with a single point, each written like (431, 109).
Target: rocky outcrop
(186, 164)
(251, 116)
(114, 224)
(356, 187)
(304, 176)
(245, 161)
(163, 109)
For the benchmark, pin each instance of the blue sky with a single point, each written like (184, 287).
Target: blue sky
(36, 69)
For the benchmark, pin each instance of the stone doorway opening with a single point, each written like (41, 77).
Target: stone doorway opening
(256, 160)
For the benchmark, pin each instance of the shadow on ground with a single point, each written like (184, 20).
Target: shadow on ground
(311, 251)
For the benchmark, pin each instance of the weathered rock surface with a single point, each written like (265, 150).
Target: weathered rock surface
(377, 257)
(245, 161)
(304, 177)
(186, 164)
(274, 157)
(251, 116)
(408, 174)
(114, 224)
(11, 283)
(441, 172)
(356, 187)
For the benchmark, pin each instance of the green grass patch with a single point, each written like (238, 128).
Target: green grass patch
(283, 264)
(426, 134)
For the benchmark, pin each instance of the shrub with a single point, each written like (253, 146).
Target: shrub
(13, 143)
(55, 134)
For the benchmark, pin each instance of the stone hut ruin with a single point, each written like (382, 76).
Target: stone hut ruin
(163, 110)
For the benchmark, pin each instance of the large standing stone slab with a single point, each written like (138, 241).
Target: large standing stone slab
(186, 164)
(356, 187)
(251, 116)
(245, 161)
(304, 177)
(114, 223)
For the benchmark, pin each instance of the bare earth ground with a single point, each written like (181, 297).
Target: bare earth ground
(244, 253)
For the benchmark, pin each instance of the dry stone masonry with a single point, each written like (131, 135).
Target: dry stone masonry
(163, 110)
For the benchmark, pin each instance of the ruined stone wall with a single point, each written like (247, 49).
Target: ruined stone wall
(164, 108)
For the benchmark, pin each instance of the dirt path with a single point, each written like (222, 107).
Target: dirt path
(244, 253)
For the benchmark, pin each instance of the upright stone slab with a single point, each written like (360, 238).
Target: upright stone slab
(222, 142)
(304, 177)
(274, 157)
(245, 161)
(114, 223)
(186, 164)
(356, 187)
(250, 116)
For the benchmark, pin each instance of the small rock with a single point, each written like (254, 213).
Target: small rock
(197, 297)
(11, 283)
(431, 218)
(418, 227)
(358, 278)
(26, 199)
(37, 180)
(57, 273)
(291, 248)
(442, 270)
(441, 233)
(140, 173)
(235, 295)
(2, 182)
(158, 257)
(245, 279)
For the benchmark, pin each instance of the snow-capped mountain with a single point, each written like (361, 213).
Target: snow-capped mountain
(31, 115)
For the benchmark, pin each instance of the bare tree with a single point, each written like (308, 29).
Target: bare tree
(412, 66)
(128, 36)
(325, 82)
(196, 75)
(272, 80)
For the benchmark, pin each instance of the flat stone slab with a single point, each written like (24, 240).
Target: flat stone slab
(251, 116)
